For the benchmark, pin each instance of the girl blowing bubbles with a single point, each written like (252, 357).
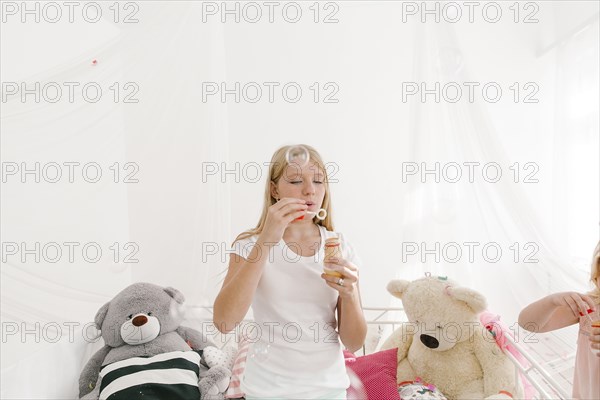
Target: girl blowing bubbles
(278, 269)
(564, 309)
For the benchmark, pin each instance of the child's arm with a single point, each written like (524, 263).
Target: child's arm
(555, 311)
(234, 299)
(351, 320)
(89, 375)
(352, 326)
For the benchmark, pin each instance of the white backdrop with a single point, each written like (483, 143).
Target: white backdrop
(194, 156)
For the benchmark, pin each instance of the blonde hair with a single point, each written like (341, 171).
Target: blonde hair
(277, 168)
(595, 272)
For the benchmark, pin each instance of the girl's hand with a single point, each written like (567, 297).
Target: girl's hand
(580, 304)
(347, 285)
(280, 215)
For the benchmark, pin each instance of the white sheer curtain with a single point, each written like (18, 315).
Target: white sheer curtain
(576, 142)
(167, 215)
(485, 212)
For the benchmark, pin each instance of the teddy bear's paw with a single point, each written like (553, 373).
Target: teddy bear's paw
(223, 384)
(213, 390)
(214, 356)
(230, 353)
(219, 387)
(94, 395)
(214, 383)
(209, 396)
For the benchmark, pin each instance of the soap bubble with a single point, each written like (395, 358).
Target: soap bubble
(260, 352)
(297, 155)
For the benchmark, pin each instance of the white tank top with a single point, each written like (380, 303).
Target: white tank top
(296, 351)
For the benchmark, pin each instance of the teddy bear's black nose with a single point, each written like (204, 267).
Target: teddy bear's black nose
(139, 320)
(429, 341)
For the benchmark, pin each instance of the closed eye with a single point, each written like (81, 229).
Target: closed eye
(317, 182)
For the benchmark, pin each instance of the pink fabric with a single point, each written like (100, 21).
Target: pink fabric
(377, 373)
(586, 382)
(234, 391)
(492, 323)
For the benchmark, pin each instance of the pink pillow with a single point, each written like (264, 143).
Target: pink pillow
(237, 372)
(377, 373)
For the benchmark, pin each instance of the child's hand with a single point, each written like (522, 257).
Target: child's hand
(579, 304)
(346, 284)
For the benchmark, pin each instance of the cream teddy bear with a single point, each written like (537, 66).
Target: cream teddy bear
(444, 343)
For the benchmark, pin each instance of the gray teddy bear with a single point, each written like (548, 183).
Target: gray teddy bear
(147, 354)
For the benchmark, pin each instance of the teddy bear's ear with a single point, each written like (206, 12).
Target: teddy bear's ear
(175, 294)
(473, 299)
(100, 315)
(397, 287)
